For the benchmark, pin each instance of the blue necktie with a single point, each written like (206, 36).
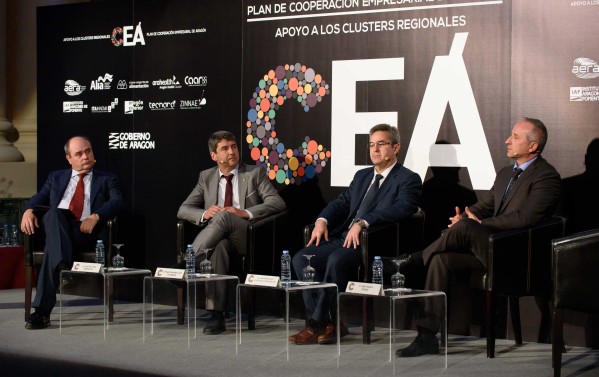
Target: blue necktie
(510, 185)
(368, 200)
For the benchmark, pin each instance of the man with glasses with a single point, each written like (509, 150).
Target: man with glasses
(387, 193)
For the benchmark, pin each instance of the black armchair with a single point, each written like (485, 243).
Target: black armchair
(519, 264)
(387, 240)
(34, 255)
(261, 257)
(575, 281)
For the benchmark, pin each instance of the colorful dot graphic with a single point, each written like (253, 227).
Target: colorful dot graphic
(291, 82)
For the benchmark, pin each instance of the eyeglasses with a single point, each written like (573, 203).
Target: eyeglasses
(379, 144)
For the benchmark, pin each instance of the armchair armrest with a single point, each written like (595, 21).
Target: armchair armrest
(29, 241)
(262, 247)
(386, 240)
(519, 260)
(261, 240)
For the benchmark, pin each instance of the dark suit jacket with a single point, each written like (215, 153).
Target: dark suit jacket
(397, 198)
(106, 199)
(533, 198)
(256, 194)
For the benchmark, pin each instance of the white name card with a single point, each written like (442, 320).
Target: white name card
(169, 273)
(365, 288)
(86, 267)
(263, 280)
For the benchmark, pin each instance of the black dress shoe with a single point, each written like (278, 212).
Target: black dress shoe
(216, 325)
(426, 343)
(37, 321)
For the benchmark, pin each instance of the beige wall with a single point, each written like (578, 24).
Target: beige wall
(18, 96)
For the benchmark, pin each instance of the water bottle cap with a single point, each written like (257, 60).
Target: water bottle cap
(99, 241)
(285, 251)
(189, 245)
(377, 257)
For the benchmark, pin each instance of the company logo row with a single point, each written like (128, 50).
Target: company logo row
(106, 82)
(129, 107)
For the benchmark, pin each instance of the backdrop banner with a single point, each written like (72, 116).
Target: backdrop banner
(301, 83)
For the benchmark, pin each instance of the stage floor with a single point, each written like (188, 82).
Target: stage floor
(79, 348)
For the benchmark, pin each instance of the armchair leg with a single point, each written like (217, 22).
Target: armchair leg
(110, 292)
(557, 342)
(28, 288)
(545, 326)
(181, 305)
(367, 319)
(515, 314)
(490, 322)
(251, 309)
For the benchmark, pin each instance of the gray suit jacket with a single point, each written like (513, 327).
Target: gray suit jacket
(256, 194)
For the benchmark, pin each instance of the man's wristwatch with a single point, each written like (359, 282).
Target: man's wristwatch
(361, 223)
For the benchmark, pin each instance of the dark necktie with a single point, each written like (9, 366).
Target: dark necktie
(229, 191)
(368, 200)
(76, 205)
(510, 185)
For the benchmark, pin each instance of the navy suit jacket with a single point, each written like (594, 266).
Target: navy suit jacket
(398, 198)
(106, 198)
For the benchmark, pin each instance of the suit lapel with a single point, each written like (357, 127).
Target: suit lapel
(212, 188)
(242, 185)
(64, 182)
(524, 176)
(387, 183)
(94, 190)
(361, 192)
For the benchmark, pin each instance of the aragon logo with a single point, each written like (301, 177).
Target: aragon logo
(585, 68)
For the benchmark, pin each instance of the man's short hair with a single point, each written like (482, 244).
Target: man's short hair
(393, 131)
(538, 134)
(67, 150)
(218, 136)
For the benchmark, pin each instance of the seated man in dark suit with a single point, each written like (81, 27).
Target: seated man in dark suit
(523, 195)
(80, 200)
(222, 203)
(387, 193)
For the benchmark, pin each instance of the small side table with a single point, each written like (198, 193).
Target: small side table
(416, 298)
(192, 284)
(108, 276)
(294, 287)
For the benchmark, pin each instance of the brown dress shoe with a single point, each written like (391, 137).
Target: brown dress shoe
(330, 334)
(306, 336)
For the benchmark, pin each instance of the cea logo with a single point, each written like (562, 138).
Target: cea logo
(124, 36)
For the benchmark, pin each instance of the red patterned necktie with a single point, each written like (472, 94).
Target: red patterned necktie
(229, 191)
(76, 205)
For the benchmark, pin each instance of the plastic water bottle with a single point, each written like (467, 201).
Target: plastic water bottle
(100, 253)
(14, 235)
(190, 261)
(377, 271)
(285, 268)
(5, 235)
